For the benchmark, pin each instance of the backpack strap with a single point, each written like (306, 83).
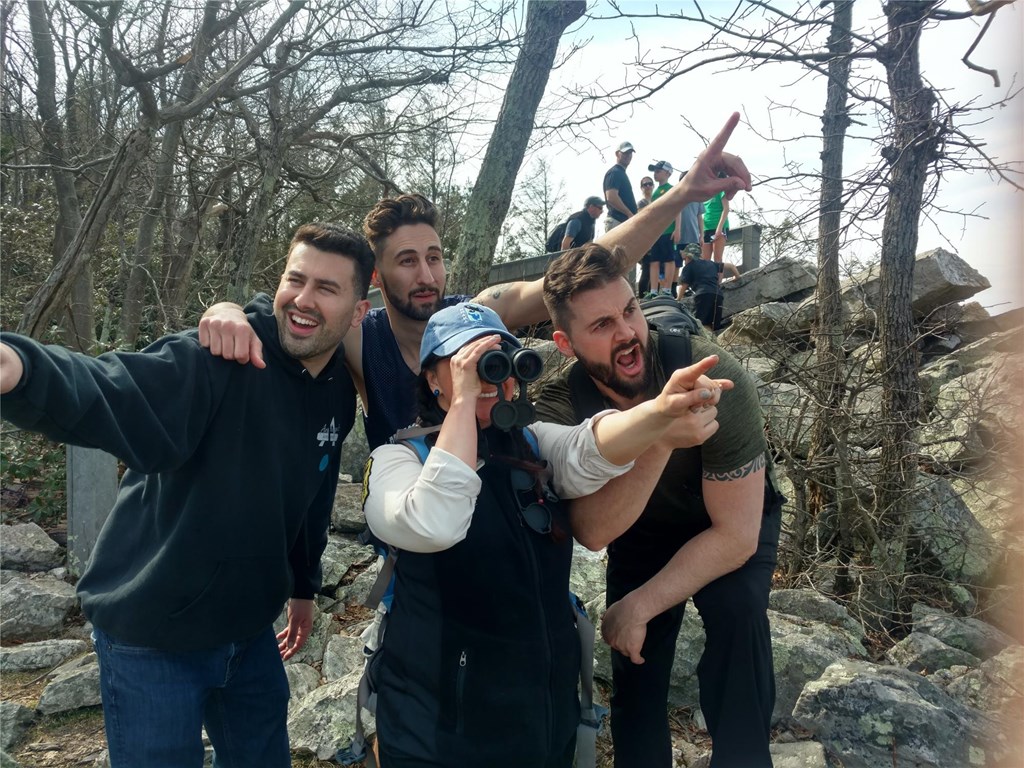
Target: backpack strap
(674, 348)
(591, 714)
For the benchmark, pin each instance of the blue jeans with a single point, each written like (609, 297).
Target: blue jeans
(156, 702)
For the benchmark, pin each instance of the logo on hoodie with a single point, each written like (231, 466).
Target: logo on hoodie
(328, 432)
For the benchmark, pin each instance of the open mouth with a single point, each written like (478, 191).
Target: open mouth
(487, 395)
(301, 324)
(629, 361)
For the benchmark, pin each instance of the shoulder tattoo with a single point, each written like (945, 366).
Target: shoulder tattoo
(738, 473)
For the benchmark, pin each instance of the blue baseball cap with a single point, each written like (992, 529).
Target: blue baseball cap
(451, 328)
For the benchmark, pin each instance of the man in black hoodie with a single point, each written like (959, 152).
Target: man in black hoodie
(222, 515)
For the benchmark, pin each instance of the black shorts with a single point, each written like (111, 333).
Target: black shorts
(709, 235)
(662, 252)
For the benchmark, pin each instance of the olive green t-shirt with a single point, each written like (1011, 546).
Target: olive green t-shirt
(739, 440)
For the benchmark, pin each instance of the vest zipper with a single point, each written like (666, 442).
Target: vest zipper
(460, 684)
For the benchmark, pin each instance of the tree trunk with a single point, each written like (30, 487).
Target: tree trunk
(911, 150)
(245, 249)
(828, 433)
(56, 288)
(178, 270)
(140, 276)
(546, 20)
(77, 321)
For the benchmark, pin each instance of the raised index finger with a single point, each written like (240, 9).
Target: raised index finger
(718, 143)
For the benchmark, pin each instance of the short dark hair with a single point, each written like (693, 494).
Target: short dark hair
(392, 212)
(580, 269)
(334, 238)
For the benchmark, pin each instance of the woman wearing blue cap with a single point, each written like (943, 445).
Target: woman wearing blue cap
(480, 663)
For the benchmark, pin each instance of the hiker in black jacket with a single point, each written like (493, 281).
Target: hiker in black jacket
(222, 514)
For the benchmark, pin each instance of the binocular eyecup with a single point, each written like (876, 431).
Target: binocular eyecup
(497, 365)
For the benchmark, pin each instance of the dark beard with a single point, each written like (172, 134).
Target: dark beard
(420, 314)
(605, 372)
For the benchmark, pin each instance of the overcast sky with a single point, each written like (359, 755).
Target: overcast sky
(771, 99)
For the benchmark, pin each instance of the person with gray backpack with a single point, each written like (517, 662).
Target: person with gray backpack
(699, 523)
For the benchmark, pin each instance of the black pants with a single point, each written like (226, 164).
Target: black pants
(708, 309)
(563, 760)
(735, 673)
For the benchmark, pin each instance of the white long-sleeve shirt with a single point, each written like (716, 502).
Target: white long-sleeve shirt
(428, 507)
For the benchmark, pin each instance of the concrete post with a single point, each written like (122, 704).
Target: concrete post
(91, 488)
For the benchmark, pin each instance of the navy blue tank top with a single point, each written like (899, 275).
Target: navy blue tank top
(390, 384)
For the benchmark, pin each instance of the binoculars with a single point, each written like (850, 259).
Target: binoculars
(495, 367)
(498, 364)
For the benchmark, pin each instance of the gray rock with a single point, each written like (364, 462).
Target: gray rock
(354, 452)
(39, 655)
(980, 353)
(357, 592)
(776, 281)
(763, 369)
(587, 577)
(347, 513)
(919, 652)
(810, 604)
(35, 607)
(993, 687)
(971, 635)
(302, 680)
(799, 754)
(801, 650)
(340, 555)
(343, 656)
(761, 327)
(788, 415)
(15, 720)
(26, 547)
(324, 720)
(74, 686)
(944, 529)
(871, 716)
(6, 761)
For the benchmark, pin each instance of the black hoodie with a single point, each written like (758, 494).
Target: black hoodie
(222, 514)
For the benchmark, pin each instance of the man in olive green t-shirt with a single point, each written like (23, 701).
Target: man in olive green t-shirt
(700, 522)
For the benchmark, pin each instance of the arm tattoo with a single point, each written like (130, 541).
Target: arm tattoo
(498, 290)
(738, 473)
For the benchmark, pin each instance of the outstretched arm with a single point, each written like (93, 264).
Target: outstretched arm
(701, 182)
(522, 303)
(149, 408)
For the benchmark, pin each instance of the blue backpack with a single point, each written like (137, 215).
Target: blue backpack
(380, 599)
